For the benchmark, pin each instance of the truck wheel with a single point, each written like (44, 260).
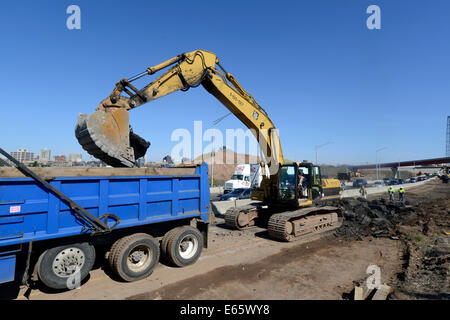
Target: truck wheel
(113, 251)
(165, 240)
(136, 257)
(57, 266)
(185, 246)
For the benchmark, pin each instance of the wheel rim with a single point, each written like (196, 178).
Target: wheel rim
(188, 247)
(139, 258)
(68, 261)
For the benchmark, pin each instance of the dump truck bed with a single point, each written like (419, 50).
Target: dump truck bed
(137, 196)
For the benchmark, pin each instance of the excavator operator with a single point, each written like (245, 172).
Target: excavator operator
(302, 184)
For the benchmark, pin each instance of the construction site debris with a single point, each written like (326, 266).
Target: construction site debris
(422, 225)
(375, 217)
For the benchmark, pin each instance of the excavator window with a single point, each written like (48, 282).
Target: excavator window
(287, 183)
(317, 176)
(317, 183)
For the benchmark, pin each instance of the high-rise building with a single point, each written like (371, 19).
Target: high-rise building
(74, 157)
(45, 155)
(22, 155)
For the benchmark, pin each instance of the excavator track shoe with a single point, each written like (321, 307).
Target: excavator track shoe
(241, 218)
(303, 223)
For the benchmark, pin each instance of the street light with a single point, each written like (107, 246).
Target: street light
(376, 163)
(320, 146)
(215, 122)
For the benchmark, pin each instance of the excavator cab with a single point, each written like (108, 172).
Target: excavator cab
(290, 189)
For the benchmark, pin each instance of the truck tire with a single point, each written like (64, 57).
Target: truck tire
(113, 251)
(185, 246)
(165, 241)
(57, 267)
(136, 257)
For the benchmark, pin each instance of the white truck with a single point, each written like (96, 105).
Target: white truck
(244, 176)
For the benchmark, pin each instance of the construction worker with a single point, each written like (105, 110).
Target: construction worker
(401, 194)
(363, 192)
(391, 193)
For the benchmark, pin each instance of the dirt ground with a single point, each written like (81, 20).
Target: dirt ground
(318, 270)
(422, 225)
(248, 265)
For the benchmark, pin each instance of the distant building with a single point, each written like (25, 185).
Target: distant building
(22, 155)
(45, 155)
(74, 157)
(141, 162)
(60, 158)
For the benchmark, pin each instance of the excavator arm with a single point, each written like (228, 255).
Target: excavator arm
(107, 135)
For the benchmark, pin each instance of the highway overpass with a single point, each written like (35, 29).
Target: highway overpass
(395, 165)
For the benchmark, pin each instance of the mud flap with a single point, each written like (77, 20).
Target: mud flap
(7, 268)
(203, 227)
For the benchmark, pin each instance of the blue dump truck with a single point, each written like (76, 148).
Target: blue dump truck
(56, 222)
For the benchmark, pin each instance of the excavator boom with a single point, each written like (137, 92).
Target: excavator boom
(107, 135)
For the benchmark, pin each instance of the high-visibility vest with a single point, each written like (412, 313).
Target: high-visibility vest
(401, 190)
(390, 190)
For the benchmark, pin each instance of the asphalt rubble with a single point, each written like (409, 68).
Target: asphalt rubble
(422, 226)
(377, 218)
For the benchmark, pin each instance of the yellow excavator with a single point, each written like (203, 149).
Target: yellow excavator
(292, 195)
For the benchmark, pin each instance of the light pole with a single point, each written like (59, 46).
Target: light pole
(213, 141)
(376, 163)
(320, 146)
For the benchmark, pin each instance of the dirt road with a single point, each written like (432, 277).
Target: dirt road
(249, 265)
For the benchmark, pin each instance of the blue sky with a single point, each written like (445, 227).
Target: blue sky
(321, 74)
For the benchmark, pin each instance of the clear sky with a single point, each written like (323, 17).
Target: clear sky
(317, 69)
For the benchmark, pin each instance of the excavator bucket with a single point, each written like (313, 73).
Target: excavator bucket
(107, 135)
